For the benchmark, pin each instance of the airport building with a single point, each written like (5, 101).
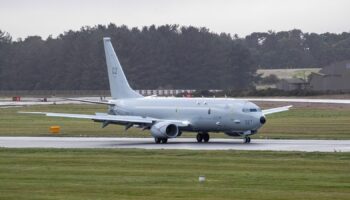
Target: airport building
(335, 77)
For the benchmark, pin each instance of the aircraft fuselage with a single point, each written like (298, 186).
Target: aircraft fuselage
(204, 114)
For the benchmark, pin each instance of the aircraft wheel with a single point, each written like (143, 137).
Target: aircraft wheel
(247, 140)
(206, 137)
(157, 140)
(180, 133)
(164, 140)
(199, 137)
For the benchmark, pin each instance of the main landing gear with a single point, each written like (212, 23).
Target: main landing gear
(203, 137)
(161, 140)
(247, 140)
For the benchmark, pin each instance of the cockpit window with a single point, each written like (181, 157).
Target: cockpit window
(246, 110)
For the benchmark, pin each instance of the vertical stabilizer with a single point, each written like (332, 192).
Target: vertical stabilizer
(120, 88)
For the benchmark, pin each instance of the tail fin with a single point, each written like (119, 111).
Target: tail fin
(120, 88)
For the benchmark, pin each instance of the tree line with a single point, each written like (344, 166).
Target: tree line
(168, 56)
(295, 49)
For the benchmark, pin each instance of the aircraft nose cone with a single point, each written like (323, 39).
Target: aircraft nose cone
(262, 120)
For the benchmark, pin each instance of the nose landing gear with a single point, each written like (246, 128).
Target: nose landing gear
(203, 137)
(247, 140)
(161, 140)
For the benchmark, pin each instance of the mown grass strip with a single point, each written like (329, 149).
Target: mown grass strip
(150, 174)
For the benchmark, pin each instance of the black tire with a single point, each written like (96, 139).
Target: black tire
(164, 140)
(199, 137)
(157, 140)
(247, 140)
(180, 133)
(206, 137)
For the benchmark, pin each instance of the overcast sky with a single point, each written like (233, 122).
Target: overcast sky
(44, 17)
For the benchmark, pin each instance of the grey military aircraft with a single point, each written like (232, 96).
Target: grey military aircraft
(168, 117)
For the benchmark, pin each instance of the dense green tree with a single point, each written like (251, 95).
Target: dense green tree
(167, 56)
(295, 49)
(5, 43)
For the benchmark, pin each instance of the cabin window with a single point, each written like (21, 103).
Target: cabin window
(246, 110)
(209, 111)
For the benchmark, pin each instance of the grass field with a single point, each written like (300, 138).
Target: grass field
(317, 123)
(309, 123)
(173, 174)
(144, 174)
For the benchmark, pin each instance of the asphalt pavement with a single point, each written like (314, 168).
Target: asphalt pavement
(177, 143)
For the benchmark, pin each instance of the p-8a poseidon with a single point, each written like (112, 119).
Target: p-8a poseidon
(169, 117)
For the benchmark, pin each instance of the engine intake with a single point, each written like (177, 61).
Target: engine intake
(164, 130)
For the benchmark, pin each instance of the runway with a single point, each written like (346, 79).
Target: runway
(7, 103)
(177, 143)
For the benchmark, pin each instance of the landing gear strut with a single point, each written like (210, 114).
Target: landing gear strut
(247, 140)
(203, 137)
(161, 140)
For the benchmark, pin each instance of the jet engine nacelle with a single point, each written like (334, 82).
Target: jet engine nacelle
(164, 130)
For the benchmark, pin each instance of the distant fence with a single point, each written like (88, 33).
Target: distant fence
(105, 93)
(164, 92)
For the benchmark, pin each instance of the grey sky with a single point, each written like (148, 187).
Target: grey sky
(44, 17)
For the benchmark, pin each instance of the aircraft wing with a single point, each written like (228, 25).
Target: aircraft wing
(330, 101)
(276, 110)
(98, 117)
(101, 117)
(90, 101)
